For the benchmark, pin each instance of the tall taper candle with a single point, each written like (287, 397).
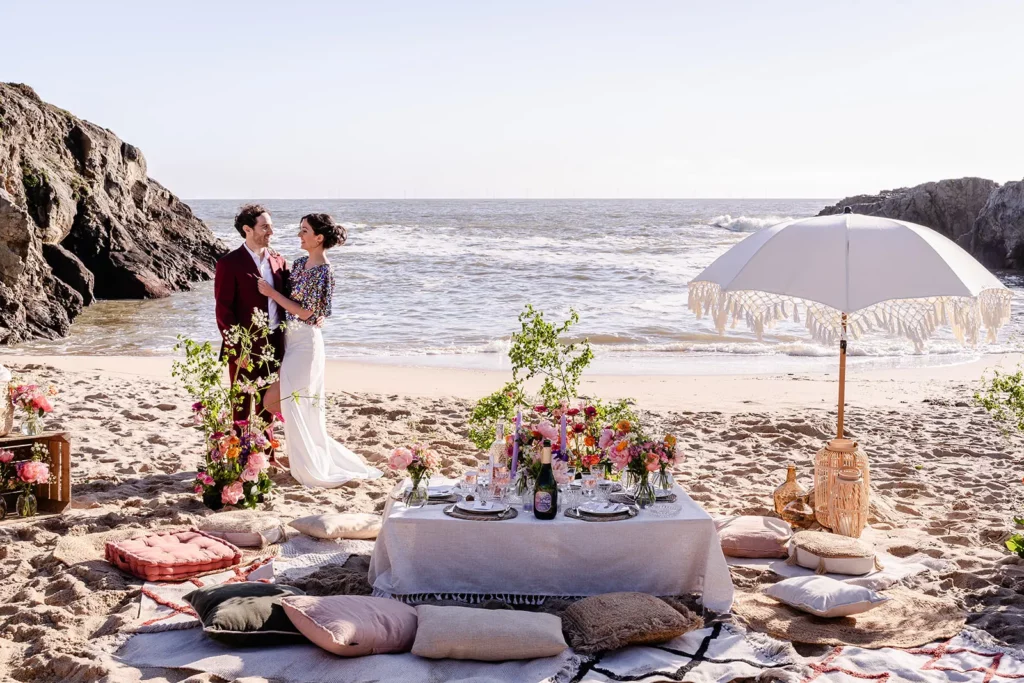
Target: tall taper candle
(515, 443)
(563, 445)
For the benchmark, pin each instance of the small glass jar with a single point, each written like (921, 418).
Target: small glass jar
(27, 506)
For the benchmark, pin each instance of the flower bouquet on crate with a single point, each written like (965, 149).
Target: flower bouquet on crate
(419, 462)
(34, 402)
(237, 452)
(25, 475)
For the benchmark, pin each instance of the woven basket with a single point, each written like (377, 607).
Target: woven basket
(838, 454)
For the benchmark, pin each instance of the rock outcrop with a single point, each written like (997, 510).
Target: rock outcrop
(983, 217)
(947, 206)
(80, 219)
(998, 238)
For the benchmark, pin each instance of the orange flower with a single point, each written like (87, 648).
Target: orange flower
(234, 452)
(589, 440)
(275, 444)
(234, 441)
(670, 441)
(623, 426)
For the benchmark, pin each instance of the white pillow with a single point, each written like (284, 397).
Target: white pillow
(339, 525)
(824, 597)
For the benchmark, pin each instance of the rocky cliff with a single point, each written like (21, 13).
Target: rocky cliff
(985, 219)
(80, 219)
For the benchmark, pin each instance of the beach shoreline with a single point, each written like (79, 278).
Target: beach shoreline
(886, 387)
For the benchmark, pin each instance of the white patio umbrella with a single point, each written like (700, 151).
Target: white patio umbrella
(847, 274)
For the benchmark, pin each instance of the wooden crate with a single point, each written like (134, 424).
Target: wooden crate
(54, 496)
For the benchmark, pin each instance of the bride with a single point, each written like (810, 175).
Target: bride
(314, 458)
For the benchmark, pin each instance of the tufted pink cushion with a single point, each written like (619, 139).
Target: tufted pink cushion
(750, 536)
(172, 556)
(353, 625)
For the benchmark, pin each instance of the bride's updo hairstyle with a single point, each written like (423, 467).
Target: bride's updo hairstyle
(325, 226)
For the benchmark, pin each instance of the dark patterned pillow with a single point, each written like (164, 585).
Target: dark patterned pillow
(616, 620)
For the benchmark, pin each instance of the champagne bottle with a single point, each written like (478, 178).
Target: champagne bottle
(545, 492)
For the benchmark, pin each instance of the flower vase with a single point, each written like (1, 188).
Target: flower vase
(524, 489)
(643, 492)
(417, 495)
(27, 506)
(664, 480)
(32, 425)
(3, 508)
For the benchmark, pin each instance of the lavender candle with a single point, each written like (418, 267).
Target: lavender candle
(563, 445)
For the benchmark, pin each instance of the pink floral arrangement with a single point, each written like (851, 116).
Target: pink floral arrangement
(418, 460)
(32, 398)
(627, 449)
(33, 472)
(237, 466)
(8, 471)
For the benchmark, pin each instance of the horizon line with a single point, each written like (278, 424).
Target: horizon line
(500, 199)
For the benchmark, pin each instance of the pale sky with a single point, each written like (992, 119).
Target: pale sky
(536, 99)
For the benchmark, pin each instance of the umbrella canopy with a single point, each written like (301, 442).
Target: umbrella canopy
(884, 274)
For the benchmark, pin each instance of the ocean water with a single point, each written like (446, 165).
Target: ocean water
(441, 282)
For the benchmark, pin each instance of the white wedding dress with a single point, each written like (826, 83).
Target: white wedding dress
(314, 458)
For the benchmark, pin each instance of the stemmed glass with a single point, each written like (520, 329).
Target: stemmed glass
(502, 479)
(468, 484)
(589, 485)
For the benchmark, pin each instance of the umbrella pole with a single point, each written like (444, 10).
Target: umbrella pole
(842, 379)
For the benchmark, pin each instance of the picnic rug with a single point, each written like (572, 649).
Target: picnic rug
(718, 653)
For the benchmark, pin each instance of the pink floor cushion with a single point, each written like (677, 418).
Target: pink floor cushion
(353, 625)
(752, 536)
(172, 555)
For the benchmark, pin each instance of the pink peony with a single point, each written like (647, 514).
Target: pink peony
(6, 456)
(198, 488)
(653, 463)
(250, 473)
(205, 478)
(33, 472)
(41, 404)
(232, 493)
(548, 430)
(257, 461)
(606, 438)
(400, 459)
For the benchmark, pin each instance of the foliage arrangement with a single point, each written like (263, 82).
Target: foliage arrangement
(1002, 395)
(536, 351)
(237, 454)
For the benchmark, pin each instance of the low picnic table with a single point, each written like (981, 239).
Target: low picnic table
(422, 552)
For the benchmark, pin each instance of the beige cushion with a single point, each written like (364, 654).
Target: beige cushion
(486, 635)
(339, 525)
(824, 597)
(244, 528)
(831, 553)
(615, 620)
(353, 625)
(750, 536)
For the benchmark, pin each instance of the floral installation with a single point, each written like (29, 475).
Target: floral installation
(32, 399)
(237, 453)
(26, 475)
(418, 460)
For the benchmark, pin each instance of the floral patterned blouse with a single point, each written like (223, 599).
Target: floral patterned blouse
(312, 289)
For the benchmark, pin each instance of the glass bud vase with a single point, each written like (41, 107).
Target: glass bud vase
(27, 506)
(417, 495)
(3, 508)
(32, 425)
(643, 492)
(524, 489)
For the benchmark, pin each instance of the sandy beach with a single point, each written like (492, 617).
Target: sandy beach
(946, 479)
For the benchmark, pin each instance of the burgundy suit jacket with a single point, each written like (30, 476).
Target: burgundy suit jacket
(236, 293)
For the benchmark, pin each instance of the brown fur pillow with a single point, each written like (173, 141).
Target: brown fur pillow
(615, 620)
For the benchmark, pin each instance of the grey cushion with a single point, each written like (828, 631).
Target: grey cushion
(248, 613)
(615, 620)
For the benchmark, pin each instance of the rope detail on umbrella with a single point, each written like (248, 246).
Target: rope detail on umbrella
(913, 319)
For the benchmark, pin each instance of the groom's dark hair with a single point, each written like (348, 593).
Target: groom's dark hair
(247, 216)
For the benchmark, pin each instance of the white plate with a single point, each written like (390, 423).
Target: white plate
(595, 508)
(471, 506)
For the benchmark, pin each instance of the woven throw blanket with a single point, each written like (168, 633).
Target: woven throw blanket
(717, 653)
(971, 657)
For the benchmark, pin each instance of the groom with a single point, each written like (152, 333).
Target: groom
(238, 296)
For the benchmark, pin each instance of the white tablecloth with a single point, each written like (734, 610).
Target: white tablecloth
(423, 551)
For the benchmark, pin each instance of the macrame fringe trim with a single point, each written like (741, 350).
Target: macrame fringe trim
(471, 598)
(913, 319)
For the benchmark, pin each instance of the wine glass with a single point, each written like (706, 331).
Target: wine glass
(589, 485)
(483, 473)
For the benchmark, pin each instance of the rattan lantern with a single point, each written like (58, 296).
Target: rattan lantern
(849, 512)
(838, 455)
